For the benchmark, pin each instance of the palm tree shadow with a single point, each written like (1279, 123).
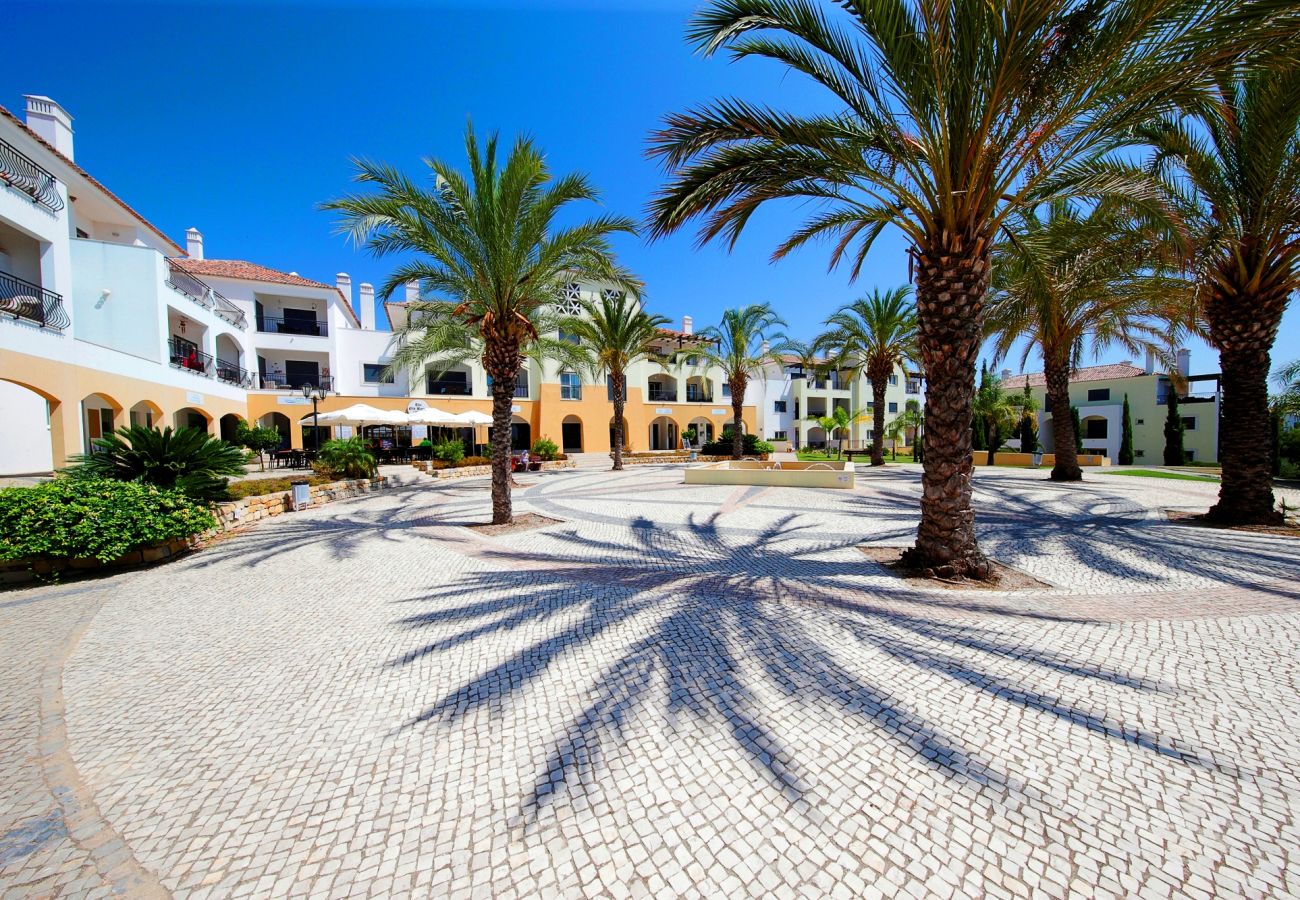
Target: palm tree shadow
(726, 619)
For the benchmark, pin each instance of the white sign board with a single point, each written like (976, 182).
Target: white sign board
(416, 406)
(516, 408)
(293, 401)
(664, 411)
(193, 397)
(718, 412)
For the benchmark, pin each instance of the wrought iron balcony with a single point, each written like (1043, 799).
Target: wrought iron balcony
(696, 395)
(311, 327)
(24, 300)
(184, 282)
(186, 355)
(661, 395)
(20, 173)
(280, 381)
(451, 388)
(232, 373)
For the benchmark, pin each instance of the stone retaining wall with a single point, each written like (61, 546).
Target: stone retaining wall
(678, 458)
(236, 513)
(471, 471)
(21, 570)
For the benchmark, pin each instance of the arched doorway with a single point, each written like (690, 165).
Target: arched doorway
(29, 446)
(815, 437)
(521, 433)
(703, 431)
(230, 361)
(627, 435)
(191, 417)
(314, 436)
(230, 427)
(571, 434)
(99, 417)
(145, 414)
(663, 434)
(280, 422)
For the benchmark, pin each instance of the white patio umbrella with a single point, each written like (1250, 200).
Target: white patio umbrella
(432, 416)
(473, 417)
(365, 414)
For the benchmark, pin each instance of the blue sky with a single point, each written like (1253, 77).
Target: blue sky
(239, 118)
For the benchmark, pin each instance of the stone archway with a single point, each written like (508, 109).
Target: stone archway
(627, 435)
(664, 434)
(192, 417)
(33, 441)
(145, 414)
(571, 434)
(280, 422)
(100, 416)
(229, 428)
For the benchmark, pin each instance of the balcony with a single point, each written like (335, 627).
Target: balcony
(309, 327)
(232, 373)
(183, 282)
(695, 395)
(661, 395)
(24, 300)
(452, 388)
(21, 174)
(186, 355)
(281, 381)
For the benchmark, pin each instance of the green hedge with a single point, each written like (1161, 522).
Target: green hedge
(89, 517)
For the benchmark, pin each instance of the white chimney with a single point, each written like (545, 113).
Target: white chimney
(1150, 365)
(194, 243)
(367, 300)
(1184, 362)
(765, 348)
(50, 121)
(412, 291)
(343, 281)
(688, 325)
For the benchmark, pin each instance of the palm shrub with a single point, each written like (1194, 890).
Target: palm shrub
(874, 335)
(996, 409)
(1232, 150)
(615, 334)
(1126, 436)
(185, 459)
(492, 261)
(347, 457)
(945, 119)
(910, 419)
(1175, 455)
(1065, 280)
(742, 345)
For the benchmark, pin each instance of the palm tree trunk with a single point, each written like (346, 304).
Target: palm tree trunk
(950, 297)
(1064, 441)
(737, 423)
(620, 401)
(1246, 489)
(879, 384)
(503, 395)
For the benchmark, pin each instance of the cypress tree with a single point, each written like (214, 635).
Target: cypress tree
(1028, 430)
(1078, 429)
(1174, 453)
(1126, 437)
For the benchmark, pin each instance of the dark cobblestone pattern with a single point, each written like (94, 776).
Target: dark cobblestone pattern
(695, 691)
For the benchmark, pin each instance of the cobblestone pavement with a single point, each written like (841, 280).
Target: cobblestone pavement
(678, 690)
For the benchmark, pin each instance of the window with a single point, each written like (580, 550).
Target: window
(726, 389)
(779, 436)
(778, 406)
(373, 373)
(568, 299)
(1139, 452)
(1099, 394)
(1189, 423)
(914, 385)
(1141, 421)
(893, 407)
(570, 386)
(1095, 429)
(893, 379)
(1190, 455)
(571, 338)
(692, 360)
(871, 434)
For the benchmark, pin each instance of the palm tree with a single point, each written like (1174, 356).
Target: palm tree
(1232, 149)
(910, 419)
(1070, 280)
(995, 409)
(875, 334)
(949, 118)
(742, 345)
(1288, 379)
(491, 261)
(617, 333)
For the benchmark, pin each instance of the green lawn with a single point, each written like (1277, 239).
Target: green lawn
(1153, 473)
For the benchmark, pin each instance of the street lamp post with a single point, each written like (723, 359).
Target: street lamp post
(315, 395)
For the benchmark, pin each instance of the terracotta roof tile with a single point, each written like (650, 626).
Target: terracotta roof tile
(246, 271)
(86, 175)
(1086, 373)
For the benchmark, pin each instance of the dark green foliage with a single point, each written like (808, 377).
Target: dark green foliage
(545, 448)
(752, 446)
(1275, 445)
(1175, 455)
(94, 517)
(979, 433)
(349, 458)
(187, 459)
(451, 450)
(1126, 437)
(1078, 429)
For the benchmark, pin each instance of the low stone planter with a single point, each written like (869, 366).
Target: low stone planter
(19, 571)
(472, 471)
(677, 459)
(236, 513)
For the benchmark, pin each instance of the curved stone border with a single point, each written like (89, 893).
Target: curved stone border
(86, 825)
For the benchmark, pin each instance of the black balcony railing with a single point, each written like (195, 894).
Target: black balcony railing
(312, 327)
(232, 373)
(661, 395)
(451, 388)
(19, 172)
(185, 282)
(280, 381)
(695, 395)
(187, 355)
(24, 300)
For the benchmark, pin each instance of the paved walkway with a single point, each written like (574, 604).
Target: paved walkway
(680, 690)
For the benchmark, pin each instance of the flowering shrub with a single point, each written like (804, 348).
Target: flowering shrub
(94, 517)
